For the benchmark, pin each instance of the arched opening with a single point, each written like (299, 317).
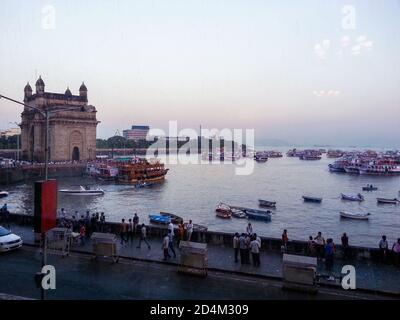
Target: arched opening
(75, 154)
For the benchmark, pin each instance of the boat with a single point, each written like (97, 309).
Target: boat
(369, 187)
(159, 219)
(356, 216)
(238, 213)
(83, 192)
(266, 203)
(260, 159)
(143, 184)
(223, 211)
(312, 199)
(388, 201)
(174, 218)
(358, 197)
(258, 215)
(3, 194)
(141, 170)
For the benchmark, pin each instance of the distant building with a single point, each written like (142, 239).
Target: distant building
(10, 132)
(136, 133)
(72, 125)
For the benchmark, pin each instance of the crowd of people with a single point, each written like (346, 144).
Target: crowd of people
(245, 245)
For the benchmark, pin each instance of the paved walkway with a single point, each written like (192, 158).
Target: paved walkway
(369, 275)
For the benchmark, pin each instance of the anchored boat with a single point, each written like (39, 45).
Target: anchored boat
(83, 192)
(369, 187)
(312, 199)
(266, 203)
(3, 194)
(258, 215)
(159, 219)
(223, 211)
(358, 197)
(387, 201)
(174, 218)
(356, 216)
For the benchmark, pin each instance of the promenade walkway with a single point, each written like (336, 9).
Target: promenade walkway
(369, 275)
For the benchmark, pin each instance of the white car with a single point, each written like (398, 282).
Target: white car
(9, 241)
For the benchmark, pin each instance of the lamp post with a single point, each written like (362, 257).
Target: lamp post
(45, 113)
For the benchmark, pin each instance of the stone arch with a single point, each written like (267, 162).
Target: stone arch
(75, 145)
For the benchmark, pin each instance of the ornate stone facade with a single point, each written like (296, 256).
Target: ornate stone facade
(72, 125)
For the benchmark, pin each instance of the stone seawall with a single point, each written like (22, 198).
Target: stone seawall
(10, 175)
(226, 239)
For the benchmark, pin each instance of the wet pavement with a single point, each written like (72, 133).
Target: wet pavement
(372, 276)
(80, 277)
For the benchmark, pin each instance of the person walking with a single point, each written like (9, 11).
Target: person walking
(383, 248)
(319, 244)
(102, 222)
(242, 248)
(236, 246)
(255, 252)
(345, 245)
(171, 242)
(135, 222)
(329, 254)
(249, 229)
(165, 246)
(171, 228)
(396, 252)
(123, 231)
(143, 236)
(247, 250)
(285, 240)
(189, 230)
(82, 234)
(130, 231)
(181, 233)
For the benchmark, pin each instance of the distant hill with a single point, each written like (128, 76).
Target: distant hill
(274, 143)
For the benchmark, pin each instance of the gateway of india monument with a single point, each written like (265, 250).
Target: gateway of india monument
(72, 125)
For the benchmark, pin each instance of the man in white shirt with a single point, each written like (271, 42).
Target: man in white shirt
(165, 247)
(255, 252)
(189, 230)
(143, 235)
(171, 228)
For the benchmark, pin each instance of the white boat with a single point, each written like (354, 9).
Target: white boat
(358, 197)
(356, 216)
(3, 194)
(83, 192)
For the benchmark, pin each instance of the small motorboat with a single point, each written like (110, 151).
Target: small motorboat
(312, 199)
(258, 215)
(266, 203)
(356, 216)
(358, 197)
(223, 211)
(238, 213)
(3, 194)
(224, 215)
(159, 219)
(387, 201)
(83, 192)
(143, 184)
(174, 218)
(369, 187)
(261, 159)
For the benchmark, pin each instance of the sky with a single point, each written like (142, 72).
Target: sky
(306, 71)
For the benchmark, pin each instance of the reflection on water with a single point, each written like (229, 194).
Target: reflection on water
(193, 191)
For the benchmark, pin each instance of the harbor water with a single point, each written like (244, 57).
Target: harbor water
(194, 190)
